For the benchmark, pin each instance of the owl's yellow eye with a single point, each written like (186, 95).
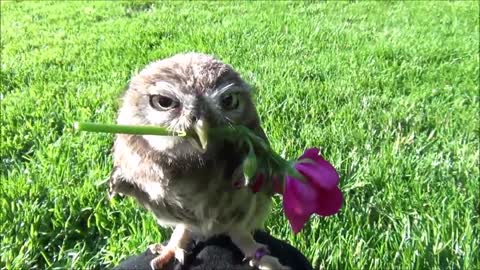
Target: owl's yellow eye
(163, 103)
(229, 101)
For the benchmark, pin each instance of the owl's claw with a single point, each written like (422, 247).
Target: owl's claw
(268, 262)
(263, 261)
(259, 253)
(255, 253)
(165, 256)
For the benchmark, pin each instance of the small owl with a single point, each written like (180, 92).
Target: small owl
(186, 182)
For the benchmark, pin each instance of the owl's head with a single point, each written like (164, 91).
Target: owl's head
(187, 92)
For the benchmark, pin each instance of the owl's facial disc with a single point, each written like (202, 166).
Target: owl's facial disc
(224, 107)
(181, 108)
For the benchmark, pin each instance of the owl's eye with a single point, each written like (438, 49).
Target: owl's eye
(229, 101)
(163, 103)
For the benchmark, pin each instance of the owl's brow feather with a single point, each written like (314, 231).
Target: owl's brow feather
(224, 88)
(163, 86)
(229, 87)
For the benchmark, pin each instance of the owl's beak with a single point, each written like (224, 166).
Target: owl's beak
(201, 131)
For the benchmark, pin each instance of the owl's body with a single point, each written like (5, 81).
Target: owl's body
(184, 181)
(195, 190)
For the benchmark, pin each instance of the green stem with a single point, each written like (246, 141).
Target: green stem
(236, 133)
(138, 130)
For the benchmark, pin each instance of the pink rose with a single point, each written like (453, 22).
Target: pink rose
(318, 194)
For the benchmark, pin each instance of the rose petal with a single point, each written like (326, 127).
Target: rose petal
(296, 221)
(238, 183)
(319, 194)
(299, 203)
(277, 185)
(329, 202)
(255, 187)
(291, 203)
(310, 153)
(305, 196)
(322, 174)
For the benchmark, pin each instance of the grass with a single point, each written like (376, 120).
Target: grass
(389, 90)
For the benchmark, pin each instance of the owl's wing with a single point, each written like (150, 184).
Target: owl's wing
(117, 184)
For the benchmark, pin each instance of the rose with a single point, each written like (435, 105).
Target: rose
(317, 193)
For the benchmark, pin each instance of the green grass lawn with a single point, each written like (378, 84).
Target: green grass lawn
(388, 90)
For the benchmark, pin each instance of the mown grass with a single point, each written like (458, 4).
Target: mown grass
(389, 90)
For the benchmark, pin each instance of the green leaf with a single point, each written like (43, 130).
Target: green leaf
(250, 163)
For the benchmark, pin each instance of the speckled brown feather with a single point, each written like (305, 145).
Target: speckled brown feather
(178, 183)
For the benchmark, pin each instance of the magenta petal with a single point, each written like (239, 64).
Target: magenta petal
(291, 205)
(329, 201)
(299, 203)
(321, 174)
(310, 153)
(255, 187)
(277, 185)
(297, 221)
(318, 194)
(305, 196)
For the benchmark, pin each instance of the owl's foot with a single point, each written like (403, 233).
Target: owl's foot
(175, 248)
(264, 261)
(165, 255)
(256, 254)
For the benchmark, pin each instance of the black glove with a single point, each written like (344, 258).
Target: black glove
(219, 253)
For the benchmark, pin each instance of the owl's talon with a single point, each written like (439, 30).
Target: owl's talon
(156, 248)
(262, 260)
(259, 253)
(166, 254)
(267, 262)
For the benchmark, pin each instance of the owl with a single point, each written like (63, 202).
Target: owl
(186, 182)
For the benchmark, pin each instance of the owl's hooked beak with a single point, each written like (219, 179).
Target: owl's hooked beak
(201, 135)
